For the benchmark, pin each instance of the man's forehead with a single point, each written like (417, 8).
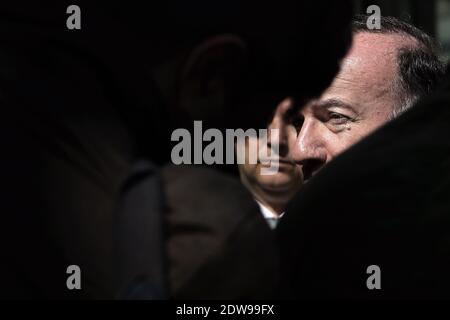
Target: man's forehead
(367, 71)
(378, 50)
(370, 67)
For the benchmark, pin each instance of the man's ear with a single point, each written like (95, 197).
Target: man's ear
(210, 78)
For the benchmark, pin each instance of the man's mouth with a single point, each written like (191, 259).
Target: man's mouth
(281, 162)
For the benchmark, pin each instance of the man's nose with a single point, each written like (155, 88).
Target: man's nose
(310, 148)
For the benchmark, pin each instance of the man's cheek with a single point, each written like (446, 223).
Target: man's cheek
(341, 145)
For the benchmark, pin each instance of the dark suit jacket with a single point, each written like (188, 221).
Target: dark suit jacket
(190, 232)
(219, 245)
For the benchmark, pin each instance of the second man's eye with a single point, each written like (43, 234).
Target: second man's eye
(338, 118)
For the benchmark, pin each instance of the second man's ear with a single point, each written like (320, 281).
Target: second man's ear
(210, 78)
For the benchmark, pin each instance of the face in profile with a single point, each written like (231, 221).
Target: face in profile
(361, 98)
(275, 190)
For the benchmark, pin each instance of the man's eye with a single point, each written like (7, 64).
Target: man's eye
(338, 118)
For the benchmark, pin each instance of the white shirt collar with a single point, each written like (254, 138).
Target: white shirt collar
(267, 213)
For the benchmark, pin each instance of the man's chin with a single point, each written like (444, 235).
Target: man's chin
(279, 187)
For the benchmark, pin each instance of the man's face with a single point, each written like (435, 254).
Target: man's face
(360, 99)
(278, 188)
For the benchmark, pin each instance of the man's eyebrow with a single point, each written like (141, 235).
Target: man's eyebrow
(333, 102)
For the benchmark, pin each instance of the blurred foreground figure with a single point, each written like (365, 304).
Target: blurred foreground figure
(382, 75)
(384, 203)
(82, 106)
